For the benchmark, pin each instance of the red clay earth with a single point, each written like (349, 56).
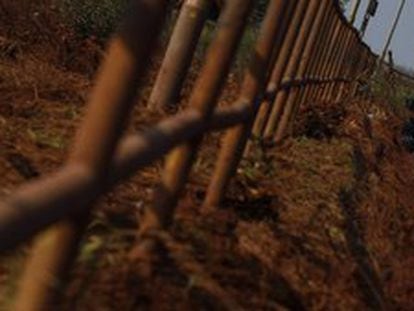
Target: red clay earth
(323, 222)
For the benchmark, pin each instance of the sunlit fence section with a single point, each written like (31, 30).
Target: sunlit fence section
(305, 51)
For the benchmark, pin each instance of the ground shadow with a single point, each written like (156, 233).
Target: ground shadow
(367, 278)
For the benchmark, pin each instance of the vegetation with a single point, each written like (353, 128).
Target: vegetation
(96, 18)
(389, 86)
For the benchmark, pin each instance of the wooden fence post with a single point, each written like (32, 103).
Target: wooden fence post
(234, 141)
(344, 60)
(203, 99)
(304, 51)
(273, 82)
(284, 57)
(308, 61)
(287, 96)
(331, 48)
(311, 68)
(112, 98)
(179, 54)
(275, 115)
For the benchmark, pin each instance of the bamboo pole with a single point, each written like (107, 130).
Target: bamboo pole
(234, 141)
(54, 251)
(354, 11)
(286, 97)
(179, 54)
(203, 99)
(392, 32)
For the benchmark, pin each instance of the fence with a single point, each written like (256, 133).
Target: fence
(305, 51)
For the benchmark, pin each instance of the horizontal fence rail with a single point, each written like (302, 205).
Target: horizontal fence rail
(306, 51)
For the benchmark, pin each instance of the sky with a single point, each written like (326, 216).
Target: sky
(378, 29)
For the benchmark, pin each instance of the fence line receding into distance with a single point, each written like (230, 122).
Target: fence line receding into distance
(305, 51)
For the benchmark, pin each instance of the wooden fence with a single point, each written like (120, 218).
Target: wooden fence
(305, 51)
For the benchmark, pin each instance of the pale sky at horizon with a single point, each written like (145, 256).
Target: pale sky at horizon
(402, 45)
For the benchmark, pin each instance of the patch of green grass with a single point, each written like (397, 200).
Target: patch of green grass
(71, 112)
(92, 17)
(391, 88)
(258, 163)
(48, 140)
